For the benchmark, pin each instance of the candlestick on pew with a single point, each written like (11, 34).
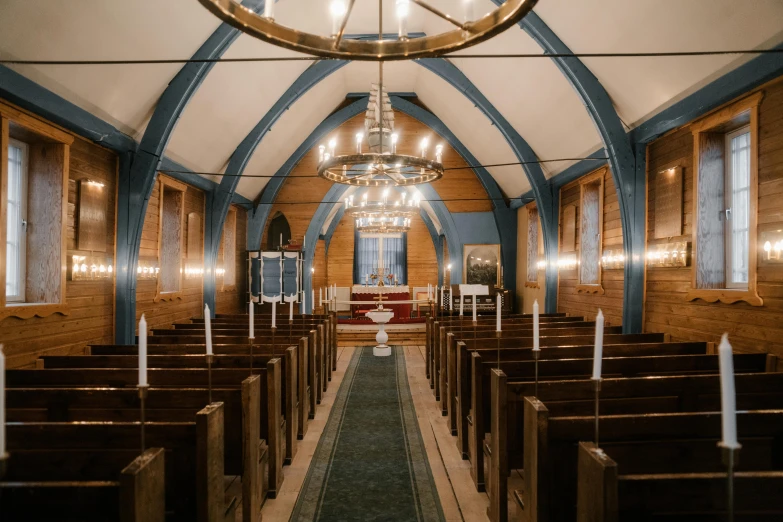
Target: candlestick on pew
(461, 303)
(274, 324)
(473, 300)
(252, 332)
(536, 343)
(209, 354)
(597, 356)
(3, 452)
(729, 444)
(143, 384)
(320, 297)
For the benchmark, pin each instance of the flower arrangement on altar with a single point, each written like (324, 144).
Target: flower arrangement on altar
(390, 277)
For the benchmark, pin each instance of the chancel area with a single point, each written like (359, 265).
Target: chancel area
(404, 260)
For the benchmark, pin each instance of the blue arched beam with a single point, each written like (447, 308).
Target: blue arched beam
(137, 181)
(547, 199)
(505, 218)
(629, 175)
(218, 202)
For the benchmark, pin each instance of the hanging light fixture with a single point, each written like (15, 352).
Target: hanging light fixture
(468, 30)
(383, 216)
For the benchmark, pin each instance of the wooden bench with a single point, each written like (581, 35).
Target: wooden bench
(526, 432)
(70, 486)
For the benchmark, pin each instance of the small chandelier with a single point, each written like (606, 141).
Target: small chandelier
(468, 30)
(383, 225)
(382, 165)
(382, 216)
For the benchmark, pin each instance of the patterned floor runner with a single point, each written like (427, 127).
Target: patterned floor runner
(370, 464)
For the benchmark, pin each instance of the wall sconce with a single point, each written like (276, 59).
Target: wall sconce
(541, 265)
(91, 268)
(193, 272)
(772, 246)
(668, 255)
(612, 260)
(220, 272)
(567, 262)
(147, 269)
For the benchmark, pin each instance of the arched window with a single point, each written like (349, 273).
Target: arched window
(279, 232)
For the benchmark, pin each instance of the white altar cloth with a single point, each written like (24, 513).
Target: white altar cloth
(361, 289)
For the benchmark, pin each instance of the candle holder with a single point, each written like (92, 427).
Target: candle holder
(536, 356)
(274, 329)
(209, 375)
(597, 390)
(730, 457)
(143, 389)
(250, 342)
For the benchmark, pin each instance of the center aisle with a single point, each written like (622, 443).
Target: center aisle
(370, 463)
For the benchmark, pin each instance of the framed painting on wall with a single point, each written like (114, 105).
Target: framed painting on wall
(481, 264)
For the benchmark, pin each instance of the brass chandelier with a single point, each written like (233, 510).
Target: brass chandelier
(383, 217)
(468, 32)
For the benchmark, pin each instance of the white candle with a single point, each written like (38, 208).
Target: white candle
(312, 299)
(2, 402)
(728, 397)
(599, 344)
(320, 296)
(208, 329)
(536, 341)
(274, 314)
(291, 310)
(461, 303)
(497, 310)
(142, 352)
(366, 279)
(474, 307)
(451, 300)
(252, 316)
(281, 240)
(443, 296)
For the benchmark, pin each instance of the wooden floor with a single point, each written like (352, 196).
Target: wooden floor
(460, 500)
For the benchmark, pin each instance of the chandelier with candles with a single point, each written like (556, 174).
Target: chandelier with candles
(383, 217)
(468, 30)
(381, 165)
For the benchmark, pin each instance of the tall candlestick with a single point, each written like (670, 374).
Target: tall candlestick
(274, 314)
(536, 341)
(2, 403)
(208, 328)
(312, 299)
(599, 345)
(281, 241)
(320, 296)
(291, 310)
(473, 300)
(728, 396)
(252, 317)
(443, 296)
(142, 352)
(497, 310)
(461, 303)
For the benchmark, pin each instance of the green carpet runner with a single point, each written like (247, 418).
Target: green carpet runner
(370, 464)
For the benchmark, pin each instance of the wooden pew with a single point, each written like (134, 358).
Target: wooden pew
(528, 426)
(678, 480)
(277, 432)
(246, 452)
(194, 478)
(75, 486)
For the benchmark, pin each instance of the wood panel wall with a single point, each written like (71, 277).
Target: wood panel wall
(320, 275)
(235, 300)
(91, 303)
(750, 328)
(339, 258)
(578, 303)
(165, 313)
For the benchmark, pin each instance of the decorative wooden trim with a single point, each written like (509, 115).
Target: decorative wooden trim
(528, 284)
(164, 182)
(28, 311)
(727, 296)
(35, 125)
(597, 176)
(590, 289)
(748, 104)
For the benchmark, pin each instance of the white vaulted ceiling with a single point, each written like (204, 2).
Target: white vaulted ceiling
(532, 94)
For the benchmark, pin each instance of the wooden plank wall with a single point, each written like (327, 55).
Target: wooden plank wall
(320, 275)
(525, 294)
(91, 318)
(750, 328)
(165, 313)
(611, 303)
(235, 300)
(339, 258)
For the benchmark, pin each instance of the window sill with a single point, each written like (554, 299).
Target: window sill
(167, 296)
(228, 288)
(590, 289)
(528, 284)
(30, 310)
(727, 296)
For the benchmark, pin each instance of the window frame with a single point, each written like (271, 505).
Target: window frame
(596, 177)
(713, 123)
(35, 127)
(166, 183)
(24, 147)
(729, 203)
(532, 257)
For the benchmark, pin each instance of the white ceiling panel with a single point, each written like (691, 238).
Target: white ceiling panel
(641, 87)
(123, 95)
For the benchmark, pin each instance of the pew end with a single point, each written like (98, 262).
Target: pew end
(142, 488)
(597, 485)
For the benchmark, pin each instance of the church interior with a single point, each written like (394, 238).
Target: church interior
(404, 260)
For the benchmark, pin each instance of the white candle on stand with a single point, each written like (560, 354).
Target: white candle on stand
(142, 351)
(208, 329)
(281, 240)
(727, 393)
(251, 314)
(451, 300)
(366, 279)
(599, 344)
(461, 303)
(274, 314)
(2, 402)
(536, 341)
(291, 310)
(474, 307)
(497, 310)
(320, 296)
(443, 296)
(312, 299)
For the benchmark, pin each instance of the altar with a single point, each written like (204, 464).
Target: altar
(361, 289)
(402, 311)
